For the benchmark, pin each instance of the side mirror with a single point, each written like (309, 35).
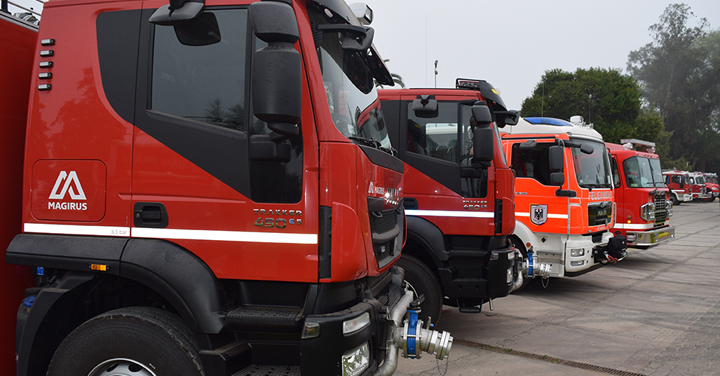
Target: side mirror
(202, 30)
(277, 69)
(176, 12)
(356, 38)
(557, 179)
(264, 148)
(483, 146)
(586, 148)
(507, 118)
(528, 145)
(480, 115)
(556, 159)
(483, 135)
(425, 106)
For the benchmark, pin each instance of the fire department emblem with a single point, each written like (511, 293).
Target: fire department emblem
(538, 214)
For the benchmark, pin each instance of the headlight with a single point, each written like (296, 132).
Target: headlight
(577, 252)
(355, 361)
(647, 211)
(669, 208)
(353, 325)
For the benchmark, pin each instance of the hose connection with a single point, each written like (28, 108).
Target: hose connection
(406, 332)
(533, 268)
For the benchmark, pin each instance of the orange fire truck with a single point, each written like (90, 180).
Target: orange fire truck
(202, 188)
(563, 197)
(641, 196)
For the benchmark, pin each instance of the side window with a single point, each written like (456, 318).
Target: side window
(207, 82)
(532, 163)
(616, 174)
(632, 172)
(435, 137)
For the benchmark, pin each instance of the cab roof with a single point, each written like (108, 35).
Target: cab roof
(554, 126)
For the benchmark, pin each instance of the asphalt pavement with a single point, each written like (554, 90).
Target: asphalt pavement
(655, 313)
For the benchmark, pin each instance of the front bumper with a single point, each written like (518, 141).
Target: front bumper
(321, 354)
(650, 238)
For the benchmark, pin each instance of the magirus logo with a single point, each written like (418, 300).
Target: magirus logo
(70, 185)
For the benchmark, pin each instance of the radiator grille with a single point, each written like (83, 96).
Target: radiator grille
(660, 209)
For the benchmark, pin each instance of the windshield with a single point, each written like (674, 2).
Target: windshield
(657, 173)
(350, 89)
(699, 180)
(641, 172)
(591, 170)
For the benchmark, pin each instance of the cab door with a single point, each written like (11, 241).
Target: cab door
(542, 207)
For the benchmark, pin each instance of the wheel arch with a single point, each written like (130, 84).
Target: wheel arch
(425, 242)
(139, 272)
(523, 233)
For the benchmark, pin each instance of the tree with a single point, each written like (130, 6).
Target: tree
(679, 75)
(605, 97)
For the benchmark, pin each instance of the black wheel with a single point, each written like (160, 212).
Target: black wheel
(136, 341)
(518, 244)
(674, 200)
(423, 281)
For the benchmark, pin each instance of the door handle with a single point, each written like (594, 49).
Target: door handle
(150, 214)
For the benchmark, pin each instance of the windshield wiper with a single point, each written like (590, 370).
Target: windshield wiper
(374, 143)
(366, 141)
(595, 185)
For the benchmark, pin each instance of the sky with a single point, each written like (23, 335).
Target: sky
(511, 43)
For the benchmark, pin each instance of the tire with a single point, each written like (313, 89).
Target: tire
(136, 341)
(517, 243)
(423, 281)
(674, 200)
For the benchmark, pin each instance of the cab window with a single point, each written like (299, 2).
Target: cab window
(532, 163)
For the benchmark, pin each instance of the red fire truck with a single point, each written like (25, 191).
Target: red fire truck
(641, 196)
(700, 191)
(711, 182)
(17, 43)
(459, 204)
(564, 197)
(209, 188)
(679, 184)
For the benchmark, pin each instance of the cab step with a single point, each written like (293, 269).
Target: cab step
(269, 370)
(264, 317)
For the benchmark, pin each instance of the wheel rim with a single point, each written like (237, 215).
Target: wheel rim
(121, 367)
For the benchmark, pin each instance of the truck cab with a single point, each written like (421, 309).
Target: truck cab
(641, 196)
(711, 182)
(211, 185)
(698, 187)
(564, 197)
(459, 205)
(679, 184)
